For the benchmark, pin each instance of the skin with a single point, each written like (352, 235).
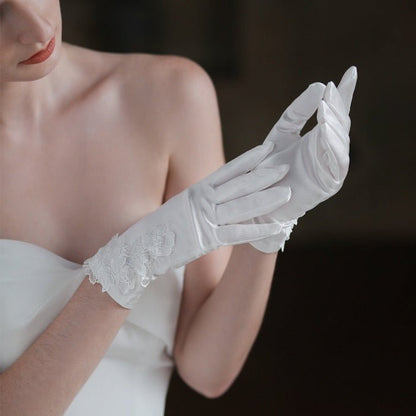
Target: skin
(90, 142)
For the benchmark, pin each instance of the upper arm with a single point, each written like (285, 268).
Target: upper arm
(195, 150)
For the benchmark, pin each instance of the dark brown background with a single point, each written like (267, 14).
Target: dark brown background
(339, 331)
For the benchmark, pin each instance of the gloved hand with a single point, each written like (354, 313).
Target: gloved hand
(203, 217)
(318, 161)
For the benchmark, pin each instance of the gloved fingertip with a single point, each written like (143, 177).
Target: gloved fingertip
(330, 85)
(352, 72)
(317, 86)
(289, 193)
(275, 228)
(286, 192)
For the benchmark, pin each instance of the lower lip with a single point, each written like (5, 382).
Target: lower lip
(42, 55)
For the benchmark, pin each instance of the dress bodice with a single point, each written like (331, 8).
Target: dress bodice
(133, 376)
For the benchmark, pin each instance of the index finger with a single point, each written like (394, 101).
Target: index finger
(301, 109)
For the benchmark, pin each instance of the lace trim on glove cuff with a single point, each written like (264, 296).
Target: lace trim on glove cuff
(129, 265)
(287, 228)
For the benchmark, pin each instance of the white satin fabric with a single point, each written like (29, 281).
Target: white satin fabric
(133, 377)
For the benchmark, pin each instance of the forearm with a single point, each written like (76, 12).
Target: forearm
(224, 329)
(48, 375)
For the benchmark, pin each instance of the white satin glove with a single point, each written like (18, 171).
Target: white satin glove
(318, 161)
(203, 217)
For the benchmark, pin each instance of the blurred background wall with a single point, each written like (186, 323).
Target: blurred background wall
(339, 331)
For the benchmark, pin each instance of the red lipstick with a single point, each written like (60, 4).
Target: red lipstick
(42, 55)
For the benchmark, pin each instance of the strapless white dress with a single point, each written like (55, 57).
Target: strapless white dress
(133, 377)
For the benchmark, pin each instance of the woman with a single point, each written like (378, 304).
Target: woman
(92, 143)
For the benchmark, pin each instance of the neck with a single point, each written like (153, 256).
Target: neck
(23, 101)
(23, 104)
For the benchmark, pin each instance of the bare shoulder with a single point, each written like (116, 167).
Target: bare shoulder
(174, 88)
(169, 76)
(156, 94)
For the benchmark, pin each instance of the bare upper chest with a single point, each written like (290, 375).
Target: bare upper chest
(90, 173)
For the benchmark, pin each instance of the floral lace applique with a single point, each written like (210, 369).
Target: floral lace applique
(129, 265)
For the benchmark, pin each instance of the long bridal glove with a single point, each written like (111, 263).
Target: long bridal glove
(318, 161)
(203, 217)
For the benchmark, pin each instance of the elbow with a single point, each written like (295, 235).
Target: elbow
(215, 392)
(210, 379)
(209, 387)
(210, 391)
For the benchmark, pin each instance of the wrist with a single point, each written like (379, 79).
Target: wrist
(276, 242)
(92, 295)
(247, 249)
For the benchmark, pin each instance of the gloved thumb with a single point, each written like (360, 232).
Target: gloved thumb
(346, 86)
